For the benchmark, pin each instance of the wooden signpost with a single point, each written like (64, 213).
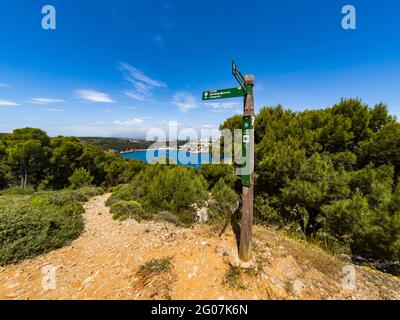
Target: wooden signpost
(247, 176)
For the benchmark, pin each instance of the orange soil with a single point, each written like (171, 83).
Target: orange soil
(103, 262)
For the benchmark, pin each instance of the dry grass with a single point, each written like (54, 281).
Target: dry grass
(233, 278)
(306, 254)
(155, 278)
(154, 267)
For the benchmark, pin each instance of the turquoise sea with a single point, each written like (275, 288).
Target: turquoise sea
(181, 157)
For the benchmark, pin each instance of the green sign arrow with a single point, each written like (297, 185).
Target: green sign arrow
(236, 73)
(224, 93)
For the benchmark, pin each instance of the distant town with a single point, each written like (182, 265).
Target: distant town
(125, 145)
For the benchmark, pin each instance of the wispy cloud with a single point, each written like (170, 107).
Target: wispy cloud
(128, 122)
(135, 96)
(184, 101)
(93, 96)
(159, 40)
(46, 100)
(142, 84)
(4, 85)
(53, 110)
(8, 103)
(222, 105)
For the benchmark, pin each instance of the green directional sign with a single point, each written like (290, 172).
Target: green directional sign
(224, 93)
(236, 73)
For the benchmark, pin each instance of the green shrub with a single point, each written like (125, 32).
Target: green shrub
(214, 172)
(80, 178)
(3, 168)
(90, 191)
(122, 192)
(32, 225)
(165, 188)
(122, 170)
(170, 188)
(266, 212)
(123, 210)
(18, 191)
(224, 203)
(369, 232)
(63, 197)
(186, 218)
(165, 216)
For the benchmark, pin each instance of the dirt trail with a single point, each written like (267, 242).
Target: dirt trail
(103, 262)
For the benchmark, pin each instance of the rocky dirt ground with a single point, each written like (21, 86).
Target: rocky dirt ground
(103, 263)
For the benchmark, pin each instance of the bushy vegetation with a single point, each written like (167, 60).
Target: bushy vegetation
(80, 178)
(214, 172)
(331, 174)
(224, 203)
(123, 210)
(37, 223)
(161, 188)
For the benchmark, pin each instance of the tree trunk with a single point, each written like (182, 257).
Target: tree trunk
(25, 179)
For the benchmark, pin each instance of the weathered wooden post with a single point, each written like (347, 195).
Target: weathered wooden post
(246, 229)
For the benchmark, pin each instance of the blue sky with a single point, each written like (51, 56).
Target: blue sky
(119, 68)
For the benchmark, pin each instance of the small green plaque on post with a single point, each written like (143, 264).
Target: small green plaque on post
(246, 136)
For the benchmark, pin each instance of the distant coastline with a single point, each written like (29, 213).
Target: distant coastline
(167, 148)
(134, 150)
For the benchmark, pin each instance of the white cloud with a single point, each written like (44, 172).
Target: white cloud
(133, 74)
(7, 103)
(135, 96)
(128, 122)
(4, 85)
(222, 105)
(184, 101)
(46, 100)
(142, 84)
(53, 110)
(93, 96)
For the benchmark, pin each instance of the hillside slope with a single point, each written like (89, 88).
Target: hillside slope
(113, 260)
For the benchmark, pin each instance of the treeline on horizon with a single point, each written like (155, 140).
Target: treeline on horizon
(117, 144)
(120, 144)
